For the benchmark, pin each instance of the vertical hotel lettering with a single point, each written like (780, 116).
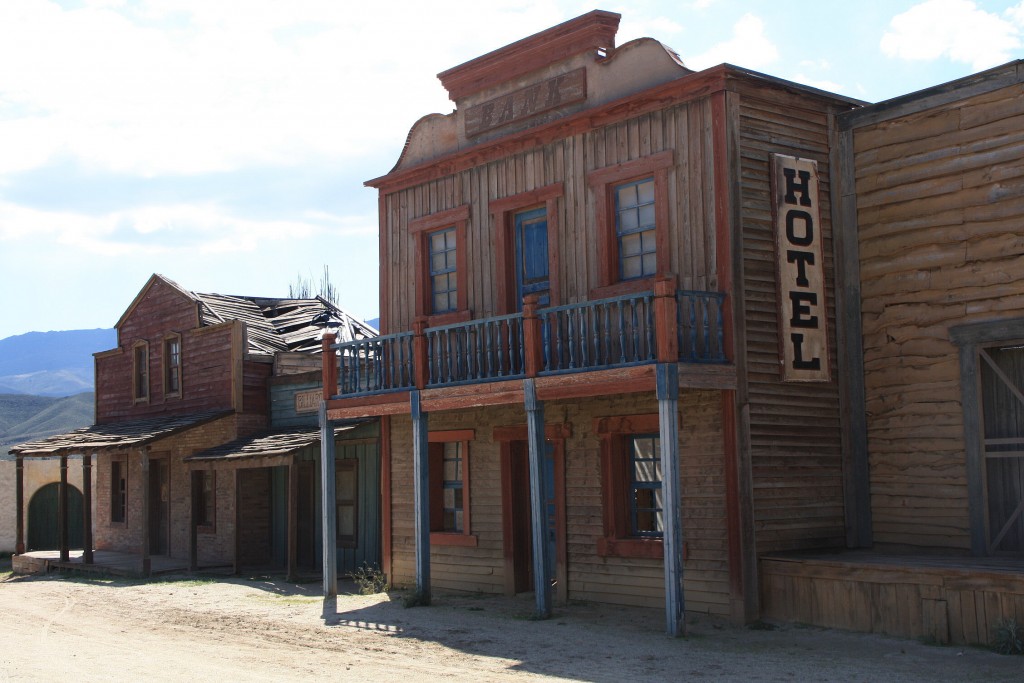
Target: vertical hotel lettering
(803, 337)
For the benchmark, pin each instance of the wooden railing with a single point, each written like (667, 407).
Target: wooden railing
(664, 325)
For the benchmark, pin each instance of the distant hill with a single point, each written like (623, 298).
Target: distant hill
(52, 363)
(28, 418)
(374, 323)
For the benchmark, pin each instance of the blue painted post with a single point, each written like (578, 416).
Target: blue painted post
(329, 505)
(421, 497)
(668, 422)
(538, 502)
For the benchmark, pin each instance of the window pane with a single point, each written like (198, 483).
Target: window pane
(346, 520)
(346, 484)
(628, 220)
(632, 267)
(645, 192)
(646, 215)
(645, 491)
(631, 245)
(437, 262)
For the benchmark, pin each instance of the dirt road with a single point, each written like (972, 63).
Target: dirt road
(262, 629)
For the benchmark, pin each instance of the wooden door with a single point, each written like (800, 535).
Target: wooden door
(520, 515)
(159, 501)
(357, 506)
(305, 521)
(532, 276)
(43, 523)
(1002, 389)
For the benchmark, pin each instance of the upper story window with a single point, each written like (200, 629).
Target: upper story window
(444, 276)
(631, 213)
(635, 229)
(172, 366)
(441, 279)
(140, 371)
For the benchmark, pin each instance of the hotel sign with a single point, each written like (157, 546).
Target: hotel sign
(530, 101)
(803, 336)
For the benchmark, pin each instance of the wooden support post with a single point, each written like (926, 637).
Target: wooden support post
(420, 361)
(668, 424)
(533, 343)
(293, 519)
(328, 496)
(62, 510)
(195, 486)
(144, 461)
(666, 320)
(421, 496)
(329, 365)
(237, 562)
(19, 500)
(538, 499)
(87, 509)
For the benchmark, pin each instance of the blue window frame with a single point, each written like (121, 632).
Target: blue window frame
(444, 282)
(452, 485)
(645, 497)
(635, 229)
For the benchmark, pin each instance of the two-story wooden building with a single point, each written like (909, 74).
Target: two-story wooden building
(192, 469)
(609, 280)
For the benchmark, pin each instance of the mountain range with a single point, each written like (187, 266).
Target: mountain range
(51, 364)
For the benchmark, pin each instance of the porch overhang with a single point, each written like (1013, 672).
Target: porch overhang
(268, 449)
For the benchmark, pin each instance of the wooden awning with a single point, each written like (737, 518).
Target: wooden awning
(275, 444)
(116, 436)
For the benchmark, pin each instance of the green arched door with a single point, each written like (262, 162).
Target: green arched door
(42, 518)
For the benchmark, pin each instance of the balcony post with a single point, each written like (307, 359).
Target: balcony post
(538, 499)
(328, 511)
(330, 365)
(421, 496)
(420, 368)
(533, 343)
(62, 510)
(19, 498)
(668, 427)
(666, 320)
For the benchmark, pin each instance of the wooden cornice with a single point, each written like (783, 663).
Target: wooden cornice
(590, 32)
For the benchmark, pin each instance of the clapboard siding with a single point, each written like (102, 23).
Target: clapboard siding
(795, 429)
(939, 198)
(590, 576)
(685, 128)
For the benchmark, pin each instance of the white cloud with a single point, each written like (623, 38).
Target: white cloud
(956, 29)
(748, 47)
(821, 84)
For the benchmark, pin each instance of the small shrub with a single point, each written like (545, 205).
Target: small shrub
(1009, 638)
(370, 580)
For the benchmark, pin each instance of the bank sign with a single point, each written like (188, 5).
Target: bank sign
(803, 337)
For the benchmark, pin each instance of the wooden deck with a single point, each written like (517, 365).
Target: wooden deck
(104, 561)
(942, 598)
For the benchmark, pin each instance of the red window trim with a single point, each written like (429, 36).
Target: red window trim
(420, 228)
(601, 182)
(466, 538)
(503, 210)
(616, 541)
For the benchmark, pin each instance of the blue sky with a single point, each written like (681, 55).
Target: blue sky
(224, 144)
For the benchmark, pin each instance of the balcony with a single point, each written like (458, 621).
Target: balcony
(624, 332)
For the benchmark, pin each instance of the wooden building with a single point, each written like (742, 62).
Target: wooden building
(932, 214)
(205, 433)
(581, 298)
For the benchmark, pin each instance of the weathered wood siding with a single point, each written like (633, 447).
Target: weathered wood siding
(795, 437)
(282, 400)
(685, 128)
(206, 376)
(590, 576)
(939, 199)
(368, 544)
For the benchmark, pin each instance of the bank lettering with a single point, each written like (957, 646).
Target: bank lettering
(527, 102)
(803, 337)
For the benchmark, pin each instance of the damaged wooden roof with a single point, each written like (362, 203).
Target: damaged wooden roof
(281, 442)
(119, 435)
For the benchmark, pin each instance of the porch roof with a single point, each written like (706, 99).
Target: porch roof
(117, 435)
(267, 444)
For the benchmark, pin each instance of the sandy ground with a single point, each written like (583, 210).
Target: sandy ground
(263, 629)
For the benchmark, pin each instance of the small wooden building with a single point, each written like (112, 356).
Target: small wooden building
(932, 216)
(583, 304)
(179, 405)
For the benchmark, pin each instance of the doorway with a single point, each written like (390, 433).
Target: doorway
(159, 500)
(43, 530)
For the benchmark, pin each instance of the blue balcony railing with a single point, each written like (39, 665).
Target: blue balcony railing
(586, 336)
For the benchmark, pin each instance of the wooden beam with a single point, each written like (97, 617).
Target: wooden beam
(19, 500)
(672, 499)
(237, 562)
(144, 465)
(195, 484)
(62, 510)
(421, 496)
(328, 496)
(538, 499)
(87, 555)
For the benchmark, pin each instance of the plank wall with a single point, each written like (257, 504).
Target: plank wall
(638, 582)
(686, 128)
(795, 437)
(940, 193)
